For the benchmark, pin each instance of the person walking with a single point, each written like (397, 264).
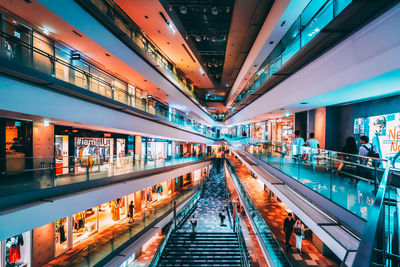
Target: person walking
(193, 223)
(130, 212)
(288, 228)
(299, 232)
(222, 217)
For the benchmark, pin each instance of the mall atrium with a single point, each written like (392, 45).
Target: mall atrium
(199, 133)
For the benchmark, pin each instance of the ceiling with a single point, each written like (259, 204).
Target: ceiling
(206, 24)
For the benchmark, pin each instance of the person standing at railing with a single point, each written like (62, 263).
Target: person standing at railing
(297, 145)
(365, 150)
(313, 144)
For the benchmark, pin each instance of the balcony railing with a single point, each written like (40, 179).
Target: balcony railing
(19, 52)
(21, 175)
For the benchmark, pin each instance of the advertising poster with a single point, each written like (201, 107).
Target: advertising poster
(384, 134)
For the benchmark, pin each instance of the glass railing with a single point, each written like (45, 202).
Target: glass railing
(175, 223)
(88, 79)
(348, 180)
(311, 21)
(275, 254)
(379, 245)
(111, 243)
(21, 175)
(114, 13)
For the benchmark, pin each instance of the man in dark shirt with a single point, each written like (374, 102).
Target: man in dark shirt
(288, 228)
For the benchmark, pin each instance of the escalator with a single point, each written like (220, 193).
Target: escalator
(214, 243)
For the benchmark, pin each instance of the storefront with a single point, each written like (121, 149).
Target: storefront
(15, 145)
(73, 230)
(156, 149)
(16, 250)
(281, 129)
(261, 130)
(77, 148)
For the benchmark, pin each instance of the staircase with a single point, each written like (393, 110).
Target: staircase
(203, 249)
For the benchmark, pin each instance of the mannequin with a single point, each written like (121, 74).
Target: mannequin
(14, 244)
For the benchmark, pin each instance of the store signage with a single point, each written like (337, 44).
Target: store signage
(85, 141)
(75, 56)
(107, 134)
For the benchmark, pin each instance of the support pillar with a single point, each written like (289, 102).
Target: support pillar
(138, 201)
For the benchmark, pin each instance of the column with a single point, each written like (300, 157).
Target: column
(43, 248)
(138, 201)
(138, 146)
(43, 143)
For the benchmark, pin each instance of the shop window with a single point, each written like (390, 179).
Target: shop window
(80, 78)
(42, 61)
(16, 45)
(18, 144)
(61, 238)
(16, 250)
(61, 66)
(93, 152)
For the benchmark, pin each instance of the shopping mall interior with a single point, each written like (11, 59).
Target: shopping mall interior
(199, 133)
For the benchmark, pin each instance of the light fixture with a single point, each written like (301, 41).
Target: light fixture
(46, 123)
(213, 39)
(198, 38)
(46, 31)
(183, 10)
(202, 71)
(214, 11)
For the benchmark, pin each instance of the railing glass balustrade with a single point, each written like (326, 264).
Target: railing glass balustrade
(21, 175)
(348, 180)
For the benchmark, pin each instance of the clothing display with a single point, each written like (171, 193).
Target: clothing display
(115, 210)
(14, 244)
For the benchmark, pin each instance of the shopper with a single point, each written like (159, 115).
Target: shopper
(288, 228)
(222, 217)
(193, 223)
(297, 145)
(313, 144)
(299, 232)
(365, 150)
(130, 212)
(349, 148)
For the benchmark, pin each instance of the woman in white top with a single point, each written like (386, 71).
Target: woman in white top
(299, 232)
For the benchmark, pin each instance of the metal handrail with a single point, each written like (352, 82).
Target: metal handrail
(366, 247)
(172, 228)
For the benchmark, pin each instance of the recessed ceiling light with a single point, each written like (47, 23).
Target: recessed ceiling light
(146, 17)
(108, 55)
(145, 80)
(271, 42)
(303, 103)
